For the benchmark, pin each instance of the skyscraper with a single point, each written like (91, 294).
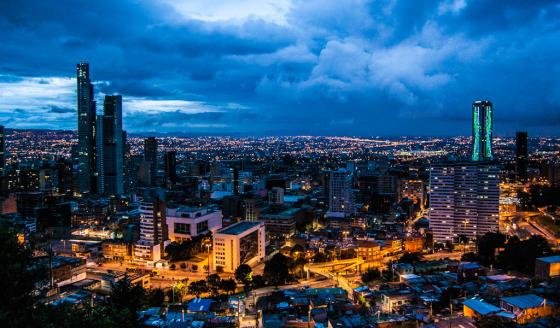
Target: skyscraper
(482, 130)
(464, 200)
(112, 145)
(170, 166)
(86, 130)
(150, 155)
(2, 152)
(341, 200)
(521, 155)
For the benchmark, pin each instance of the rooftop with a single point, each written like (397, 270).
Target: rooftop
(239, 227)
(199, 305)
(550, 259)
(481, 307)
(524, 301)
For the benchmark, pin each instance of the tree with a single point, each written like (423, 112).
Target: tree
(156, 297)
(520, 255)
(276, 270)
(371, 275)
(214, 283)
(229, 285)
(124, 295)
(259, 281)
(179, 290)
(244, 275)
(410, 258)
(18, 278)
(198, 287)
(487, 246)
(469, 257)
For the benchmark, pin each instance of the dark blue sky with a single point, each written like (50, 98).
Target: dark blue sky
(349, 67)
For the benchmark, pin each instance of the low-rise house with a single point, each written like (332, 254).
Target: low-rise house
(529, 307)
(547, 267)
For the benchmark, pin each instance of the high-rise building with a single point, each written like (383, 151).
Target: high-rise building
(170, 167)
(482, 130)
(2, 152)
(150, 155)
(86, 131)
(464, 200)
(153, 231)
(341, 200)
(99, 158)
(521, 155)
(110, 147)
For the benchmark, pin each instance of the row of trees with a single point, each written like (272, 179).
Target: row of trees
(515, 254)
(184, 250)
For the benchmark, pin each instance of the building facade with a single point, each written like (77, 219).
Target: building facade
(186, 222)
(341, 200)
(464, 200)
(153, 231)
(240, 243)
(111, 146)
(86, 130)
(482, 131)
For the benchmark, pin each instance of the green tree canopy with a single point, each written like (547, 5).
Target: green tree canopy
(276, 270)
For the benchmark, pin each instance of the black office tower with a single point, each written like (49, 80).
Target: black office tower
(170, 162)
(86, 131)
(521, 155)
(112, 145)
(150, 155)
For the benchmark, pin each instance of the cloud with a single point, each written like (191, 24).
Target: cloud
(285, 66)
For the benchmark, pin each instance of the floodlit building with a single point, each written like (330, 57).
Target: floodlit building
(186, 222)
(240, 243)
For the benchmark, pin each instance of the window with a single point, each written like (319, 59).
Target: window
(183, 228)
(201, 226)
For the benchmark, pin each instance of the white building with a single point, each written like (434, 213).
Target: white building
(464, 200)
(186, 222)
(242, 242)
(153, 232)
(341, 200)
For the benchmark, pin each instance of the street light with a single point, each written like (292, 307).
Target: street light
(208, 248)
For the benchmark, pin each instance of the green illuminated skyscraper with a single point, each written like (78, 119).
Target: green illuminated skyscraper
(482, 130)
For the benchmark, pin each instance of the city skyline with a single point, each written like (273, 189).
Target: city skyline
(293, 68)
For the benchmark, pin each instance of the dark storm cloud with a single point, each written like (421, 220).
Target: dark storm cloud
(328, 67)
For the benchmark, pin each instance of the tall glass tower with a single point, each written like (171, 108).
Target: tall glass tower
(112, 141)
(482, 130)
(86, 130)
